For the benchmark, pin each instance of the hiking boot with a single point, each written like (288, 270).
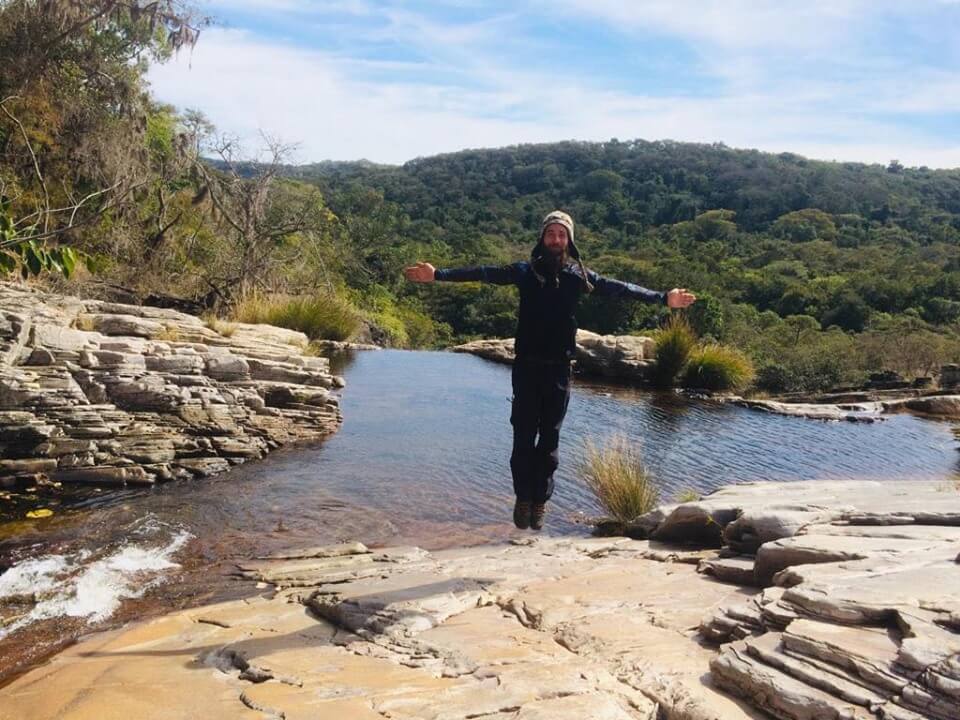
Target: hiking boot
(521, 514)
(536, 516)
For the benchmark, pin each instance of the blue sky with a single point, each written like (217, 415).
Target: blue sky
(390, 80)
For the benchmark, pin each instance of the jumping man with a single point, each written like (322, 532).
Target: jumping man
(550, 285)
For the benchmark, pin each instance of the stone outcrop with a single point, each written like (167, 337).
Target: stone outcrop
(933, 405)
(343, 346)
(630, 358)
(625, 357)
(851, 412)
(105, 393)
(558, 629)
(860, 615)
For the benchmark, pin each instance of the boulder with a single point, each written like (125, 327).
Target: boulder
(624, 357)
(945, 406)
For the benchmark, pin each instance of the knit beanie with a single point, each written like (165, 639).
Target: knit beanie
(559, 217)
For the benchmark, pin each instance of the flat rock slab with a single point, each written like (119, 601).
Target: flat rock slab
(437, 636)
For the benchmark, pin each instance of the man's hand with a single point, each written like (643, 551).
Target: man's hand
(680, 298)
(421, 272)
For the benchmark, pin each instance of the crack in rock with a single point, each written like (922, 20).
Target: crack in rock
(273, 713)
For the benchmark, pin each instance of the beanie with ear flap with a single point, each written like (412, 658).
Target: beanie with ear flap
(561, 218)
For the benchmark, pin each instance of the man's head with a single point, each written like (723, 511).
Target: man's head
(556, 234)
(556, 243)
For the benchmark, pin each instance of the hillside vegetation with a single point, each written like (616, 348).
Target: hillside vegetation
(820, 272)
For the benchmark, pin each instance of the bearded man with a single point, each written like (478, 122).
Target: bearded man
(551, 284)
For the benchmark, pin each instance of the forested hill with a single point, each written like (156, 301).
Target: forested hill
(619, 188)
(820, 270)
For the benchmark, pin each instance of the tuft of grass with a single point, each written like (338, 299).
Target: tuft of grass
(618, 479)
(688, 495)
(83, 322)
(718, 367)
(169, 333)
(222, 327)
(324, 316)
(675, 343)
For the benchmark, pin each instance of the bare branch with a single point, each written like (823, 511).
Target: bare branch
(36, 164)
(72, 208)
(72, 225)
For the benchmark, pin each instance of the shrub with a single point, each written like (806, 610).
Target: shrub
(675, 342)
(618, 479)
(323, 316)
(718, 367)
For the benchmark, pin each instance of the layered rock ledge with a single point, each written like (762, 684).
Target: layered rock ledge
(106, 393)
(937, 405)
(860, 612)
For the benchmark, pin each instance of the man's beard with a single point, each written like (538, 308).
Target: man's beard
(553, 261)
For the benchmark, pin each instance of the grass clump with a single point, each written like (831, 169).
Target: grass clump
(221, 327)
(169, 333)
(325, 316)
(618, 479)
(675, 343)
(718, 367)
(84, 322)
(688, 495)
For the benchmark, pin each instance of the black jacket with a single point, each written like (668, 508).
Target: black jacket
(547, 323)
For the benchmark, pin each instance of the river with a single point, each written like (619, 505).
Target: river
(421, 458)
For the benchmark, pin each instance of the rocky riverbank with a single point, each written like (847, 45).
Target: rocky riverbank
(933, 404)
(106, 393)
(624, 357)
(630, 358)
(816, 600)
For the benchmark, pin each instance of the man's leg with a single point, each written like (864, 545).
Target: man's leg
(524, 417)
(555, 398)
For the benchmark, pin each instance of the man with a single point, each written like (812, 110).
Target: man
(550, 286)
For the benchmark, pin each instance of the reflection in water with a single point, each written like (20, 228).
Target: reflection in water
(422, 458)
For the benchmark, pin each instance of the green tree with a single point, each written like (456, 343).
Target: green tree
(805, 225)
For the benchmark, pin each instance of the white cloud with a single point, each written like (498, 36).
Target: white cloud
(784, 25)
(318, 100)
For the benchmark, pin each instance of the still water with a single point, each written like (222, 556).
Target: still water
(421, 458)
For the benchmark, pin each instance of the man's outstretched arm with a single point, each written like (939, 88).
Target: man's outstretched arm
(604, 286)
(494, 274)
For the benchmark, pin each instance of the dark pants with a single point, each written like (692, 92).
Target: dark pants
(541, 393)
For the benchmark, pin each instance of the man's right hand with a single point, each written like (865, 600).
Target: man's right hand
(421, 272)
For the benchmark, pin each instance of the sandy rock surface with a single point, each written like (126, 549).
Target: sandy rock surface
(553, 628)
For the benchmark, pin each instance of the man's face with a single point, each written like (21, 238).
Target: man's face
(555, 238)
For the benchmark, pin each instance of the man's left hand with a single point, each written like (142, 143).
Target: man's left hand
(680, 298)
